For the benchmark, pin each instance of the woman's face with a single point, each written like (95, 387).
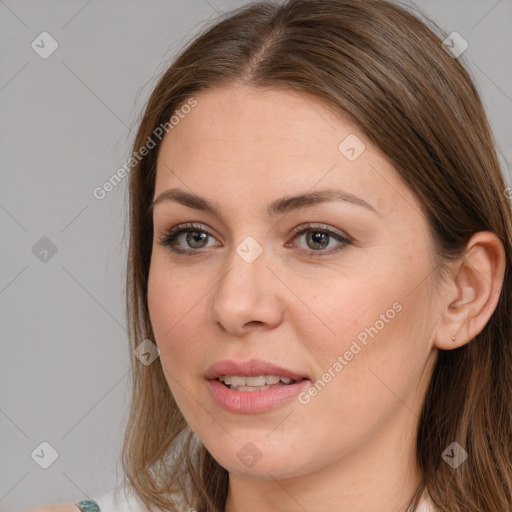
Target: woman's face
(347, 312)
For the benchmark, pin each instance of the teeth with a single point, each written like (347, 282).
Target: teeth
(257, 381)
(249, 388)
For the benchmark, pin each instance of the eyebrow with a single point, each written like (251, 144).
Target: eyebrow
(280, 206)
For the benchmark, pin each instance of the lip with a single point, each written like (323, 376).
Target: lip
(252, 402)
(250, 368)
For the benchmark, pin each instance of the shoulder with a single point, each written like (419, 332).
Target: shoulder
(57, 507)
(77, 506)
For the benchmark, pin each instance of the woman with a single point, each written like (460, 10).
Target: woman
(320, 248)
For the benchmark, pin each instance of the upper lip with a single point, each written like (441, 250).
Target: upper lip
(249, 368)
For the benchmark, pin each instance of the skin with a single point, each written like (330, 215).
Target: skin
(352, 447)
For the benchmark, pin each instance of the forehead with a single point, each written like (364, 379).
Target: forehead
(251, 116)
(271, 143)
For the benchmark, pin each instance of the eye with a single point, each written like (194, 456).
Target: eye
(319, 237)
(196, 237)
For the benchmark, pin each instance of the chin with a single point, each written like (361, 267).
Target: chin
(260, 459)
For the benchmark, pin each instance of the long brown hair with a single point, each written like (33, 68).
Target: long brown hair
(385, 70)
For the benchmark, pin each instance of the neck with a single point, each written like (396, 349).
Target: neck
(381, 475)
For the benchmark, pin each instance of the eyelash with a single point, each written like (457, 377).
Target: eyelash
(169, 239)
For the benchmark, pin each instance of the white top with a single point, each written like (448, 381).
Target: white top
(425, 504)
(119, 502)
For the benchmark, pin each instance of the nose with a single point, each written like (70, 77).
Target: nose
(247, 296)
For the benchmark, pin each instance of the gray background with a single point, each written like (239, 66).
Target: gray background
(66, 126)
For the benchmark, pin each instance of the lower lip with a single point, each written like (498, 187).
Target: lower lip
(250, 402)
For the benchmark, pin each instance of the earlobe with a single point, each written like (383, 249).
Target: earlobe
(473, 293)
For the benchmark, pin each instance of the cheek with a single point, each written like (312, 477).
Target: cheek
(344, 309)
(378, 354)
(373, 321)
(172, 306)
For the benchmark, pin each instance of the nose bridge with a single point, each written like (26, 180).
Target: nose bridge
(243, 294)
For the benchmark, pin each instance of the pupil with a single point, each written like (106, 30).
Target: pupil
(318, 238)
(192, 237)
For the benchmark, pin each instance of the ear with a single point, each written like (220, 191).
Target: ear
(473, 291)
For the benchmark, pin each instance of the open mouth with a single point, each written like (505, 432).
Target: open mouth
(254, 383)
